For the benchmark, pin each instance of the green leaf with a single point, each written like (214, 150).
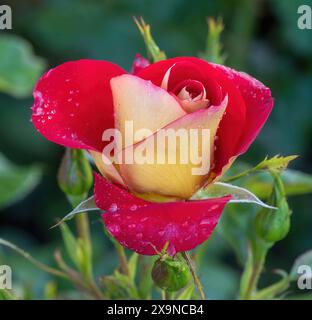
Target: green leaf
(239, 195)
(19, 67)
(152, 48)
(16, 182)
(70, 243)
(296, 182)
(304, 259)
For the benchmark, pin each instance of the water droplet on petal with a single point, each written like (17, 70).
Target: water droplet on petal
(139, 236)
(134, 207)
(114, 229)
(113, 207)
(205, 222)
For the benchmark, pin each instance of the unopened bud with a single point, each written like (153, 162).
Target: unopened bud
(139, 63)
(75, 173)
(170, 274)
(273, 225)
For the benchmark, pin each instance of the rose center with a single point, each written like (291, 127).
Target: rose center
(191, 95)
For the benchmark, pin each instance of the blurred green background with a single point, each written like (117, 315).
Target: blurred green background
(261, 37)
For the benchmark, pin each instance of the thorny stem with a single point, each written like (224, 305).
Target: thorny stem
(253, 281)
(35, 262)
(258, 260)
(195, 277)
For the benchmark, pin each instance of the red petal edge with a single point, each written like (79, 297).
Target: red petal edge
(145, 227)
(73, 103)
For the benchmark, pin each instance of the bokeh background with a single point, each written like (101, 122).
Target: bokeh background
(261, 37)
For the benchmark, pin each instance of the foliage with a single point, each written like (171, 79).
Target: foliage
(16, 182)
(19, 68)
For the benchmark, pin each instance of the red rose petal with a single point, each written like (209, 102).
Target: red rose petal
(259, 103)
(73, 103)
(144, 226)
(110, 197)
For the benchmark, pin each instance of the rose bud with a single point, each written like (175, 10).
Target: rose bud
(149, 204)
(139, 63)
(170, 274)
(75, 173)
(273, 225)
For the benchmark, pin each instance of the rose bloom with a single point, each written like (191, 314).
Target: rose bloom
(148, 205)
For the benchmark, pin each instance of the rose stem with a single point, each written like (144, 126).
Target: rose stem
(195, 277)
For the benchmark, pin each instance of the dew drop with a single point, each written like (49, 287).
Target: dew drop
(204, 222)
(113, 207)
(134, 207)
(185, 224)
(114, 229)
(214, 207)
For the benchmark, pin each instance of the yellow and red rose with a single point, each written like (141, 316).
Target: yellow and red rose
(149, 205)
